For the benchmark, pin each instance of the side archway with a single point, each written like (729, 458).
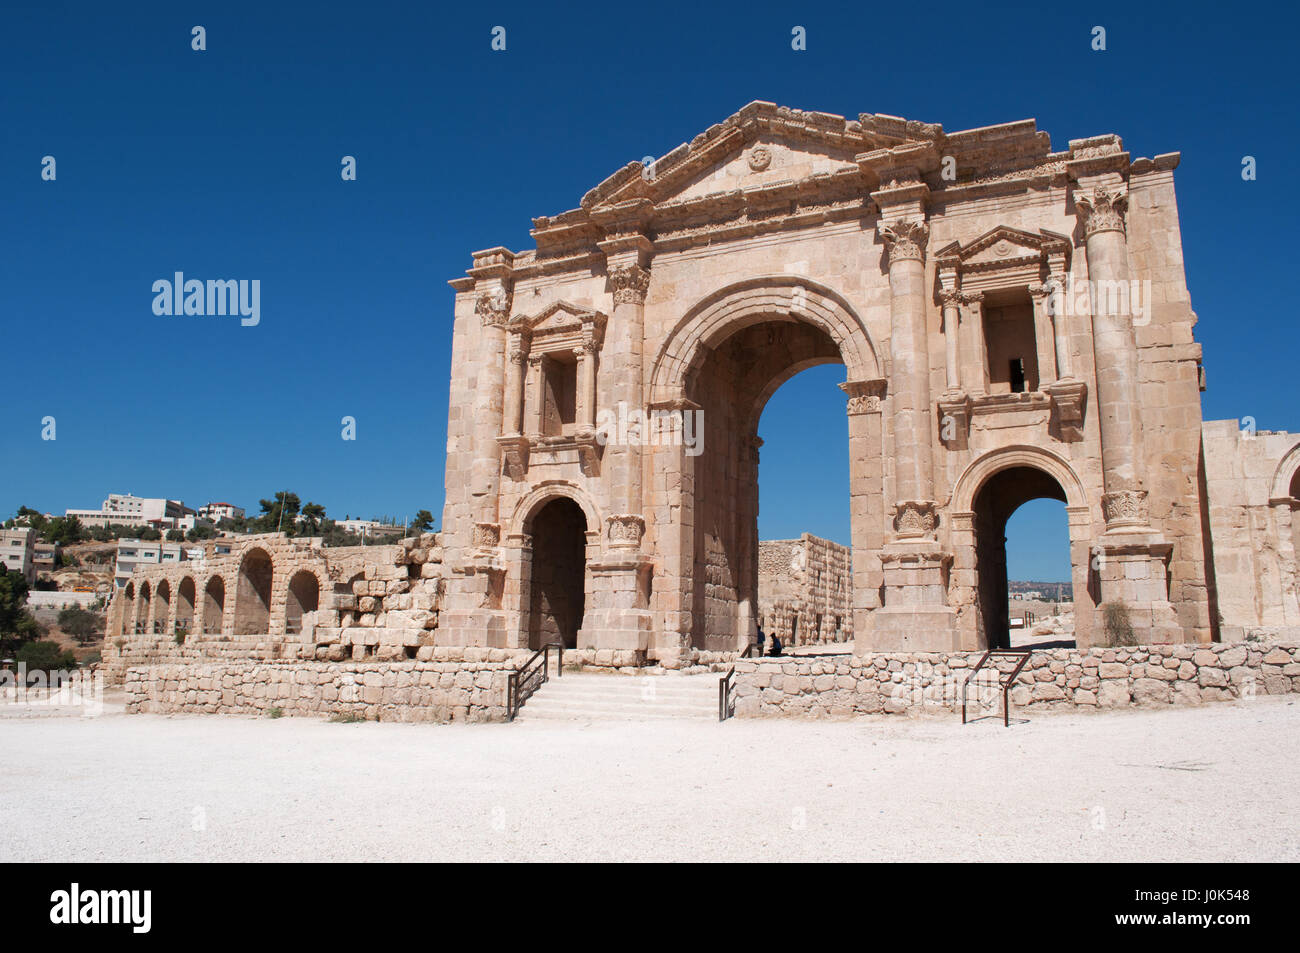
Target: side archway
(985, 496)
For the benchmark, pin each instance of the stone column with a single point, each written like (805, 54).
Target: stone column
(1115, 348)
(910, 357)
(950, 297)
(1044, 338)
(1055, 285)
(915, 616)
(977, 356)
(621, 618)
(515, 385)
(472, 613)
(533, 397)
(586, 410)
(868, 512)
(1132, 559)
(493, 307)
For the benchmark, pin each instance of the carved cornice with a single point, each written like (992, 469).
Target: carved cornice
(629, 284)
(1102, 211)
(905, 239)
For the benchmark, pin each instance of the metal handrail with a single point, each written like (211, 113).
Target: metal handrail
(725, 710)
(529, 677)
(1023, 655)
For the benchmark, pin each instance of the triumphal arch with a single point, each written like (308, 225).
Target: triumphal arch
(1013, 321)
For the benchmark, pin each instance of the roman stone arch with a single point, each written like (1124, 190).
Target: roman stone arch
(144, 609)
(162, 607)
(301, 598)
(214, 605)
(542, 494)
(1284, 513)
(737, 306)
(725, 358)
(990, 489)
(253, 590)
(554, 541)
(185, 602)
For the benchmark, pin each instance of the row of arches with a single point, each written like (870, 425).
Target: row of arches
(159, 607)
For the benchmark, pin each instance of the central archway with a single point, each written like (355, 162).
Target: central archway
(725, 359)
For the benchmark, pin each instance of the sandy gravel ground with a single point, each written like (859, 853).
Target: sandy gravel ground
(1211, 784)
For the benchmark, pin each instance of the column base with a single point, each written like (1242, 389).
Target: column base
(619, 619)
(915, 616)
(1132, 572)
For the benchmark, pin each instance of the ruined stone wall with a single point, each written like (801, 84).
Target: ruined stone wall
(1055, 679)
(805, 590)
(372, 602)
(466, 689)
(1252, 486)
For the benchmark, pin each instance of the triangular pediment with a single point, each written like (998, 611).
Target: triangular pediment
(557, 317)
(760, 145)
(1005, 245)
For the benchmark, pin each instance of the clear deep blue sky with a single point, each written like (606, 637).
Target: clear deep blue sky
(226, 163)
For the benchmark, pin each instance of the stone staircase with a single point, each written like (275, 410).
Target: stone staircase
(583, 696)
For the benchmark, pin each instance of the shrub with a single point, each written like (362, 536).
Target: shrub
(43, 656)
(275, 713)
(1116, 624)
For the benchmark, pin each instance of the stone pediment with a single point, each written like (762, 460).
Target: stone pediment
(562, 321)
(1004, 247)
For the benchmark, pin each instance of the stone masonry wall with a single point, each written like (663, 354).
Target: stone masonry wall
(895, 683)
(801, 583)
(448, 691)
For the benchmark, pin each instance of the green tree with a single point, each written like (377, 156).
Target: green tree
(81, 625)
(279, 514)
(313, 515)
(175, 536)
(41, 656)
(200, 532)
(423, 521)
(64, 530)
(17, 624)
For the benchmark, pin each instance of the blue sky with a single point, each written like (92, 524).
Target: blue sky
(225, 163)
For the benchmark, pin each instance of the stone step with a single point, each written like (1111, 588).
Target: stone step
(577, 696)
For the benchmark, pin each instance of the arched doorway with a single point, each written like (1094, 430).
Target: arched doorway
(128, 609)
(253, 595)
(732, 387)
(143, 620)
(557, 598)
(162, 606)
(997, 499)
(725, 358)
(214, 605)
(303, 596)
(185, 604)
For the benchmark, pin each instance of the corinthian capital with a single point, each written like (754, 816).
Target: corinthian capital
(629, 283)
(1103, 211)
(493, 308)
(905, 240)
